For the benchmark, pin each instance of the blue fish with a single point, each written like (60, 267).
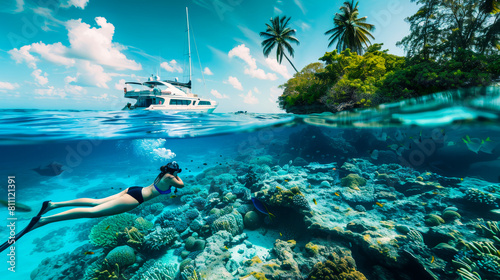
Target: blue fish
(261, 207)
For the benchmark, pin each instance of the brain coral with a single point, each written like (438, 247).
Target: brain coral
(105, 232)
(353, 181)
(340, 269)
(159, 239)
(232, 223)
(301, 201)
(122, 256)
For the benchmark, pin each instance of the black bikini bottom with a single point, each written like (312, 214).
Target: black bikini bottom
(136, 192)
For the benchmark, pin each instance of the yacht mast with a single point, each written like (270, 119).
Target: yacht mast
(189, 43)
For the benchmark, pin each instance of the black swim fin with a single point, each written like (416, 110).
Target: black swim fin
(20, 234)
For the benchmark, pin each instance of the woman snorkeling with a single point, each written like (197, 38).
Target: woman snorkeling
(119, 203)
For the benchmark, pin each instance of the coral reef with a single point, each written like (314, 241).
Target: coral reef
(353, 181)
(338, 269)
(478, 197)
(232, 223)
(121, 256)
(105, 232)
(156, 270)
(159, 239)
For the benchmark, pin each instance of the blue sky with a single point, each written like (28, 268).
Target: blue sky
(77, 54)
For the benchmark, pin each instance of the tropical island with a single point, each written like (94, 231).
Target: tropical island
(452, 44)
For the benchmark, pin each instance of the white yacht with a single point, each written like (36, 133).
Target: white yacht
(170, 96)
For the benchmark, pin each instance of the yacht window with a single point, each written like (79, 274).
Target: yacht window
(194, 103)
(204, 103)
(179, 102)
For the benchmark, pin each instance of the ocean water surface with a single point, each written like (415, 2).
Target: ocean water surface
(408, 190)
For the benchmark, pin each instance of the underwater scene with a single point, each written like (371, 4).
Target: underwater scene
(409, 190)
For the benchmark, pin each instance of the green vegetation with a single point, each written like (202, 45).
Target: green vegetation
(279, 35)
(350, 32)
(452, 44)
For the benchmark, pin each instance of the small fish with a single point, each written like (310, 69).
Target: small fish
(108, 227)
(461, 179)
(286, 181)
(337, 193)
(334, 169)
(379, 204)
(435, 192)
(278, 188)
(173, 196)
(315, 202)
(310, 186)
(88, 253)
(225, 247)
(432, 259)
(281, 234)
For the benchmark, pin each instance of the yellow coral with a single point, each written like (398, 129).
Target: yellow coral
(312, 249)
(367, 237)
(256, 275)
(353, 181)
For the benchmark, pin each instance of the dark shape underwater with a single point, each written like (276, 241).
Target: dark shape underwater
(52, 169)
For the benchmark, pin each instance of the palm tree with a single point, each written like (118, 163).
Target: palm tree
(490, 6)
(279, 35)
(350, 31)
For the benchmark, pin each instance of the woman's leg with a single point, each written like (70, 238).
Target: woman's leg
(116, 206)
(83, 201)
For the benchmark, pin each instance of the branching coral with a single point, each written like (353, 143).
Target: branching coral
(481, 259)
(415, 236)
(159, 239)
(189, 273)
(155, 270)
(479, 197)
(491, 230)
(132, 237)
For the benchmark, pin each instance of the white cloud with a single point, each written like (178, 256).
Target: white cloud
(277, 10)
(23, 55)
(249, 98)
(256, 90)
(243, 53)
(75, 3)
(300, 5)
(275, 92)
(171, 66)
(19, 6)
(250, 34)
(103, 96)
(120, 85)
(91, 75)
(55, 53)
(39, 78)
(218, 94)
(207, 71)
(303, 25)
(281, 69)
(90, 49)
(96, 44)
(234, 82)
(8, 86)
(50, 92)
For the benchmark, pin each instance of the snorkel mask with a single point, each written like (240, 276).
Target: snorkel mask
(171, 167)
